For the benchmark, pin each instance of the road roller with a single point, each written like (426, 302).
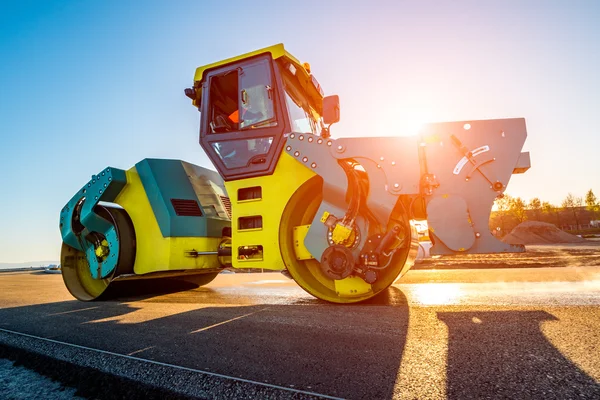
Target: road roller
(336, 215)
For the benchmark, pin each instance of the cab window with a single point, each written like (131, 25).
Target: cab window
(239, 153)
(256, 108)
(300, 112)
(242, 99)
(224, 102)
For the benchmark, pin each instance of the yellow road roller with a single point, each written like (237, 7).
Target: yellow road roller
(336, 215)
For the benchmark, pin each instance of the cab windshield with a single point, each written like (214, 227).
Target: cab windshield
(302, 116)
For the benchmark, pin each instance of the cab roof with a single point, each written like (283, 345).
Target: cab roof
(277, 51)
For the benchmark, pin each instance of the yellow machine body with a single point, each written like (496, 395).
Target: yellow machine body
(156, 253)
(335, 215)
(276, 191)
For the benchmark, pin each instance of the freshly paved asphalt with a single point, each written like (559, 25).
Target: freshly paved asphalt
(526, 333)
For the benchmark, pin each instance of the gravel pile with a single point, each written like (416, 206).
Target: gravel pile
(535, 232)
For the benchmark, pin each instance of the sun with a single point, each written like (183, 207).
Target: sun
(398, 121)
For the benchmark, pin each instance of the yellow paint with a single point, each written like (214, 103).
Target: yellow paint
(326, 215)
(301, 251)
(277, 189)
(340, 234)
(155, 252)
(77, 276)
(352, 286)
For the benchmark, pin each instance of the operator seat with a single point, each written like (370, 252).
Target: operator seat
(220, 124)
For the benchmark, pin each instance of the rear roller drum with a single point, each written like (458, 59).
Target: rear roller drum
(320, 282)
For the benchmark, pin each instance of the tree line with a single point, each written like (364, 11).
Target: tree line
(574, 212)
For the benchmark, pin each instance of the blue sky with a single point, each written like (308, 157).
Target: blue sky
(86, 84)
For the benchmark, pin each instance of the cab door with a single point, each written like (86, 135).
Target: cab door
(243, 118)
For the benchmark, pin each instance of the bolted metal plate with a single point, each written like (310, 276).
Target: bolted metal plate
(300, 249)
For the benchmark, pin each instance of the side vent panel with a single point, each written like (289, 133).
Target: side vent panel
(227, 204)
(186, 208)
(253, 222)
(250, 193)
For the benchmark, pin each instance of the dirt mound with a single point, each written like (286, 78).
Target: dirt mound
(534, 232)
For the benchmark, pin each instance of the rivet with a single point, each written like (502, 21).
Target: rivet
(304, 159)
(310, 139)
(288, 148)
(109, 179)
(292, 136)
(95, 197)
(301, 137)
(314, 165)
(100, 191)
(381, 158)
(102, 173)
(329, 143)
(393, 162)
(477, 234)
(319, 141)
(396, 185)
(93, 182)
(105, 185)
(297, 153)
(378, 166)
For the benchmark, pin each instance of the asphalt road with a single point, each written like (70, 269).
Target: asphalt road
(512, 333)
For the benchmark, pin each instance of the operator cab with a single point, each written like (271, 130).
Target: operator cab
(248, 108)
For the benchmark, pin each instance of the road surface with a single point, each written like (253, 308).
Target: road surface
(501, 333)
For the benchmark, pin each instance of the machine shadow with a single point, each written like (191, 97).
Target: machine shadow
(350, 352)
(146, 288)
(506, 355)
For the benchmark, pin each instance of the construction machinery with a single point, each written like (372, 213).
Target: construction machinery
(334, 214)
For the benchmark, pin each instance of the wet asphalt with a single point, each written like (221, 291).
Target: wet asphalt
(526, 333)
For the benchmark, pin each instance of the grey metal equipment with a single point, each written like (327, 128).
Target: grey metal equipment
(454, 171)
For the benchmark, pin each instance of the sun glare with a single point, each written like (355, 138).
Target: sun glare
(437, 293)
(403, 122)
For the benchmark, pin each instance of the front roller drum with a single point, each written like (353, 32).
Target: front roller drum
(75, 267)
(122, 281)
(320, 282)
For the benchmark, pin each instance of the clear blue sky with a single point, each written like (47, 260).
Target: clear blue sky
(86, 84)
